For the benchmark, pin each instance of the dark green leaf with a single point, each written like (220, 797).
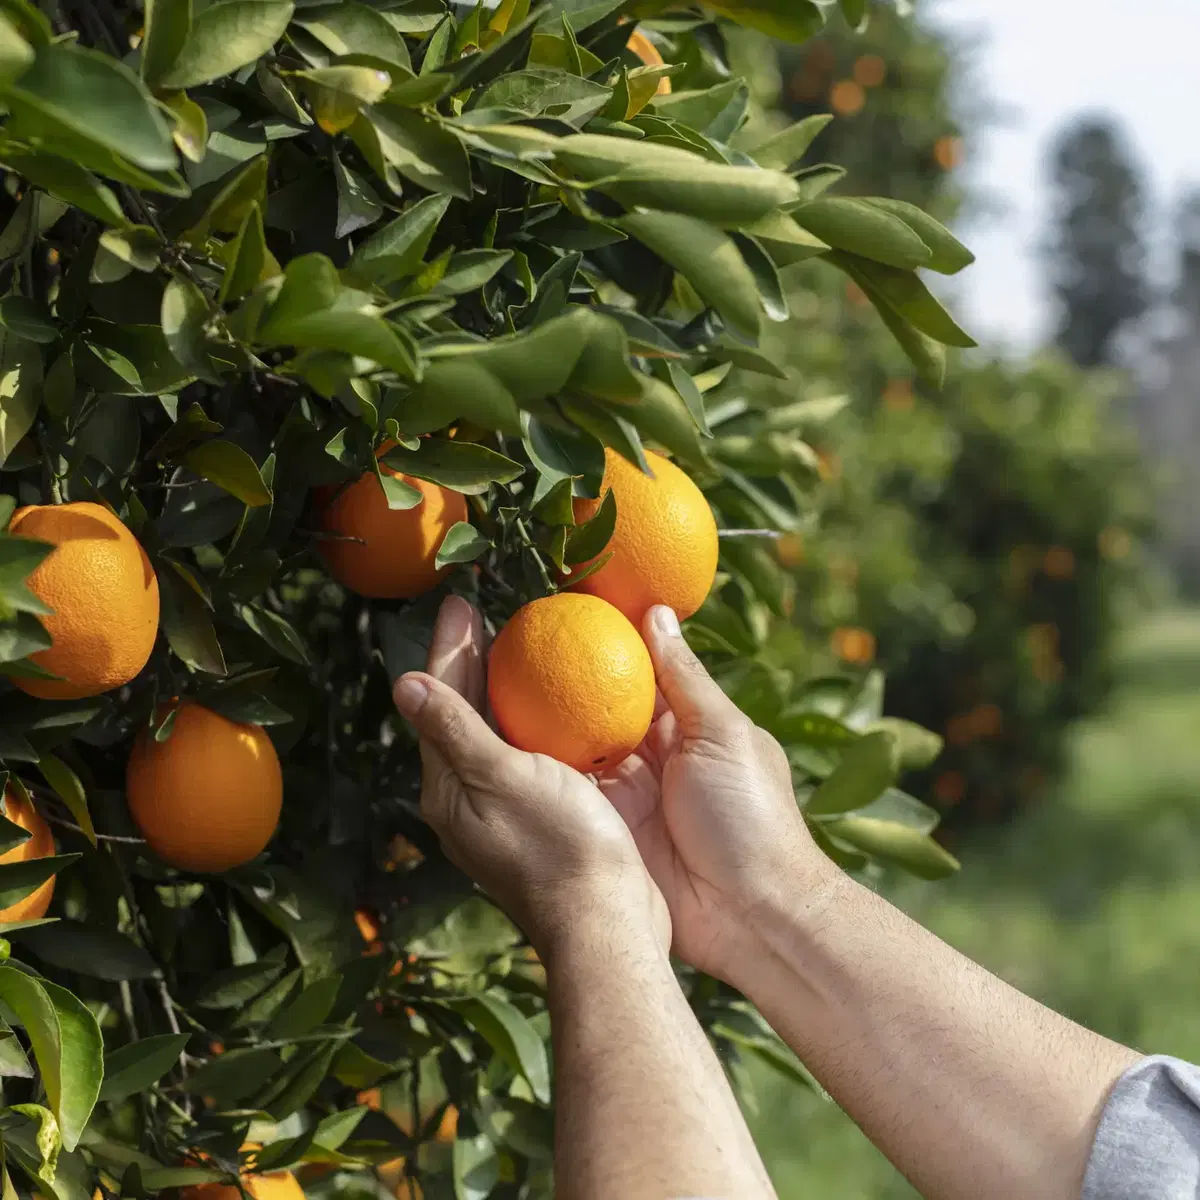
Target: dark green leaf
(847, 223)
(419, 148)
(185, 310)
(590, 539)
(509, 1033)
(790, 20)
(949, 254)
(19, 879)
(136, 1067)
(784, 148)
(461, 466)
(20, 383)
(187, 622)
(69, 790)
(235, 1075)
(397, 249)
(99, 953)
(231, 468)
(167, 25)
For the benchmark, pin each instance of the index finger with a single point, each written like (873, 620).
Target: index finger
(456, 652)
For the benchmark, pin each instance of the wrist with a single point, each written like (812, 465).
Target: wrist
(599, 914)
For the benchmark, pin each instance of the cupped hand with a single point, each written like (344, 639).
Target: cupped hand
(709, 800)
(537, 836)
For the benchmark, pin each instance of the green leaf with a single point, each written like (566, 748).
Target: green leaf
(167, 24)
(789, 20)
(469, 270)
(99, 953)
(707, 258)
(234, 987)
(20, 636)
(225, 36)
(230, 468)
(906, 294)
(16, 54)
(66, 180)
(95, 97)
(766, 277)
(20, 384)
(358, 205)
(539, 90)
(235, 1075)
(20, 879)
(867, 768)
(915, 852)
(187, 622)
(690, 394)
(399, 247)
(18, 557)
(27, 319)
(461, 466)
(69, 789)
(949, 254)
(420, 148)
(476, 1166)
(916, 746)
(508, 1031)
(48, 1140)
(185, 310)
(784, 148)
(590, 539)
(855, 12)
(66, 1043)
(812, 728)
(850, 224)
(353, 28)
(663, 417)
(136, 1067)
(927, 355)
(249, 261)
(277, 632)
(137, 246)
(462, 544)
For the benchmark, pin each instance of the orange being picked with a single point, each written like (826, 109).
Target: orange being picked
(393, 555)
(104, 594)
(648, 52)
(570, 677)
(40, 844)
(207, 798)
(664, 546)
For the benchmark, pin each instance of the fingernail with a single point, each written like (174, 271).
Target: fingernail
(409, 694)
(665, 621)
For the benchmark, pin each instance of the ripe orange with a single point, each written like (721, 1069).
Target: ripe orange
(39, 845)
(275, 1185)
(649, 53)
(207, 798)
(664, 547)
(570, 677)
(394, 556)
(104, 595)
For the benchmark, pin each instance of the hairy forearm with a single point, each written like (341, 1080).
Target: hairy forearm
(644, 1111)
(970, 1088)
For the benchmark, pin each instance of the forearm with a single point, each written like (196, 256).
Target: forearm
(644, 1111)
(969, 1087)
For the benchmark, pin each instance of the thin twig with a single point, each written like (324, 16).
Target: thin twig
(100, 837)
(323, 535)
(773, 534)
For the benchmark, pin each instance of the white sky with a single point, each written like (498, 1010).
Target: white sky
(1040, 62)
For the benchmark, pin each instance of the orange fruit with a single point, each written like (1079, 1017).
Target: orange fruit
(570, 677)
(275, 1185)
(40, 844)
(207, 798)
(649, 53)
(664, 546)
(104, 594)
(394, 556)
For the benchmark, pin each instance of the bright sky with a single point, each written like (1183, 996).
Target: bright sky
(1042, 61)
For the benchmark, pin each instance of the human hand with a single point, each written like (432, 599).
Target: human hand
(709, 799)
(537, 836)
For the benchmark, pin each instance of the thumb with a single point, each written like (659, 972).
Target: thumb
(701, 709)
(448, 723)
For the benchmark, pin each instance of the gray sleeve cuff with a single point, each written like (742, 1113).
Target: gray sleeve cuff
(1148, 1143)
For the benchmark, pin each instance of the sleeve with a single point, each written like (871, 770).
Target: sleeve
(1148, 1143)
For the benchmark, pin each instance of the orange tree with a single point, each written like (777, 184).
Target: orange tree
(300, 293)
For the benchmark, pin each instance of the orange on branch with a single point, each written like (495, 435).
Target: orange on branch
(207, 798)
(388, 553)
(104, 594)
(275, 1185)
(570, 677)
(664, 546)
(40, 844)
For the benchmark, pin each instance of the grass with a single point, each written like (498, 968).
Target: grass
(1087, 903)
